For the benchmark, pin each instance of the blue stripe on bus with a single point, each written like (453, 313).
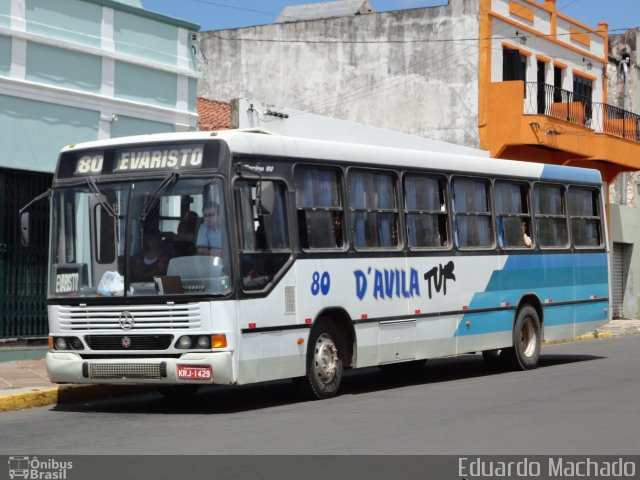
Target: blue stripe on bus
(559, 278)
(570, 174)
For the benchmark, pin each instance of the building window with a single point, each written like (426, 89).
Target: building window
(557, 84)
(582, 88)
(514, 65)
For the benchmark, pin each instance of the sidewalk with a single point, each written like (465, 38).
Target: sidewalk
(24, 383)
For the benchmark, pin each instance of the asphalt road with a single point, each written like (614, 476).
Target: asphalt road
(583, 399)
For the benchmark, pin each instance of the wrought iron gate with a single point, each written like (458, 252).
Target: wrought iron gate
(23, 270)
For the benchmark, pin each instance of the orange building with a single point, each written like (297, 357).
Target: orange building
(543, 92)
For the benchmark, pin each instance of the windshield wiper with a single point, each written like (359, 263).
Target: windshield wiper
(91, 181)
(151, 199)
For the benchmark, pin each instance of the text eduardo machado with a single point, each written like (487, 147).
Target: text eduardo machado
(550, 467)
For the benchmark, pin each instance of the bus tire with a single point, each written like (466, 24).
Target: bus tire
(525, 352)
(324, 363)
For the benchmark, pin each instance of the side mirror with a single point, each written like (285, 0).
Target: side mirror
(24, 229)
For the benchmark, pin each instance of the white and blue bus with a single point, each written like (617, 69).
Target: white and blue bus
(328, 256)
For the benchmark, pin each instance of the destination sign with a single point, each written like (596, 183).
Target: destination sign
(68, 278)
(89, 165)
(142, 159)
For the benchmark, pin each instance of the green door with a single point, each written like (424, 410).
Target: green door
(23, 270)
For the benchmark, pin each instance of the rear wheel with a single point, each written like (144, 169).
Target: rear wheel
(525, 353)
(324, 363)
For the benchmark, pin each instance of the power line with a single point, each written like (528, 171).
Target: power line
(406, 40)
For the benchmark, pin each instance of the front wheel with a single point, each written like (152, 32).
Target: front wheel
(525, 353)
(324, 363)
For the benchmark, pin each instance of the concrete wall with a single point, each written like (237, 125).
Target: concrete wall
(330, 67)
(625, 228)
(623, 92)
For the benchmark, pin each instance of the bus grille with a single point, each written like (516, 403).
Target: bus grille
(143, 371)
(133, 342)
(87, 318)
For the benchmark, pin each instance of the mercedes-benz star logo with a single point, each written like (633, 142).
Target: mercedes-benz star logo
(126, 320)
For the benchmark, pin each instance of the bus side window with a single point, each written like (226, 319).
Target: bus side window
(513, 216)
(319, 207)
(264, 241)
(426, 211)
(586, 221)
(472, 214)
(550, 216)
(373, 209)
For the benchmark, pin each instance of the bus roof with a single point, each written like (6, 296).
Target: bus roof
(263, 142)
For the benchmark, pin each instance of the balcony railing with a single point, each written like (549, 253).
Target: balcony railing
(542, 99)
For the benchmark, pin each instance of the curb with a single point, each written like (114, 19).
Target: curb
(36, 398)
(66, 394)
(587, 336)
(593, 335)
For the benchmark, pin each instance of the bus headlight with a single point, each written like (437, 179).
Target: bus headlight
(61, 343)
(65, 343)
(204, 341)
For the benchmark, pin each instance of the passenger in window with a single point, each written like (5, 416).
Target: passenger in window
(185, 240)
(525, 237)
(211, 233)
(153, 262)
(337, 229)
(188, 225)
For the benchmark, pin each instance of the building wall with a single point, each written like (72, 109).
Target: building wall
(623, 92)
(359, 68)
(70, 70)
(73, 71)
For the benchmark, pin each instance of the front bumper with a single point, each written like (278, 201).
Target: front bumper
(69, 367)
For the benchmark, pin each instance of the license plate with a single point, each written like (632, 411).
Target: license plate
(194, 373)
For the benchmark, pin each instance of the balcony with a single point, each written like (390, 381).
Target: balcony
(539, 123)
(542, 99)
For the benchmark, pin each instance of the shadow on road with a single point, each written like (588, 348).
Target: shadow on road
(220, 400)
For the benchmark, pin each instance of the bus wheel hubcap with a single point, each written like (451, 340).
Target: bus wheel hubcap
(326, 358)
(528, 338)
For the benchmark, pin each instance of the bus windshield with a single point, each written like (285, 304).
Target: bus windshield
(166, 236)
